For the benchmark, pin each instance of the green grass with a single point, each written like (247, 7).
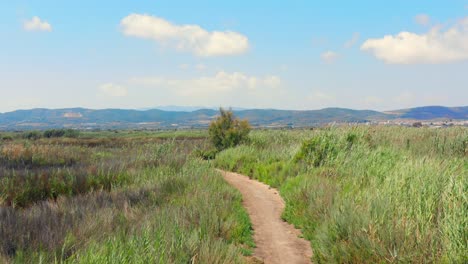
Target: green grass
(160, 203)
(367, 194)
(360, 195)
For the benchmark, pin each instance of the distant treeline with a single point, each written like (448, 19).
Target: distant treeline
(51, 133)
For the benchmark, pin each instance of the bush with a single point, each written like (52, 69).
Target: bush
(318, 149)
(209, 154)
(70, 133)
(32, 135)
(6, 138)
(228, 131)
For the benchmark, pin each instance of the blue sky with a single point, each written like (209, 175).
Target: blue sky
(267, 54)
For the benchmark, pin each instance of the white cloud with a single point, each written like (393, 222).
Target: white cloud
(36, 24)
(113, 90)
(329, 56)
(190, 38)
(222, 82)
(348, 44)
(236, 88)
(436, 46)
(422, 19)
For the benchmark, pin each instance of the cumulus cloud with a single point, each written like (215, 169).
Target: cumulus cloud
(36, 24)
(113, 90)
(329, 56)
(439, 45)
(348, 44)
(422, 19)
(189, 38)
(222, 88)
(222, 82)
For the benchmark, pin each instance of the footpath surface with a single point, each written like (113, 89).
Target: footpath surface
(277, 241)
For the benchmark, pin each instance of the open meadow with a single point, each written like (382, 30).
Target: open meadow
(116, 198)
(365, 194)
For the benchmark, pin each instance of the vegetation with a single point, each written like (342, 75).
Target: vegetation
(360, 194)
(71, 133)
(227, 131)
(126, 197)
(367, 194)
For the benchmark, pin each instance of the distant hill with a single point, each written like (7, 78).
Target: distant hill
(433, 112)
(155, 118)
(176, 108)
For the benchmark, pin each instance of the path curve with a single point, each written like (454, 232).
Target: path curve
(277, 241)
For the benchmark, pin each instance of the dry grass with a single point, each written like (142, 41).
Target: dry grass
(64, 199)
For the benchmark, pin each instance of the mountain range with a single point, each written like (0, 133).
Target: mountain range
(155, 118)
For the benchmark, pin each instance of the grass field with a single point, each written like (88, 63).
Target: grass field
(117, 198)
(367, 194)
(360, 195)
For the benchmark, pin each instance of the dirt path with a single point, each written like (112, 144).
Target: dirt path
(276, 240)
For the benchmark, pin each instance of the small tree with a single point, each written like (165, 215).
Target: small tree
(228, 131)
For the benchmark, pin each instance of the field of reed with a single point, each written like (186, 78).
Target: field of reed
(117, 197)
(360, 195)
(367, 194)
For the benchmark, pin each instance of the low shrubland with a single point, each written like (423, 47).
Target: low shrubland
(136, 198)
(360, 195)
(367, 194)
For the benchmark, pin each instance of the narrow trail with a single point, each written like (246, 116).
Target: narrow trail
(277, 241)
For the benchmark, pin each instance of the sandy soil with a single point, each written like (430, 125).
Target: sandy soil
(276, 240)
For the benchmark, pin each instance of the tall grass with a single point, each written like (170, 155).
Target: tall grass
(121, 200)
(368, 194)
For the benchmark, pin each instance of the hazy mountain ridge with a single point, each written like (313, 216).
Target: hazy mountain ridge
(433, 112)
(155, 118)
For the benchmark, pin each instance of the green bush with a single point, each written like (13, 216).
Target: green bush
(32, 135)
(209, 154)
(53, 133)
(228, 131)
(318, 149)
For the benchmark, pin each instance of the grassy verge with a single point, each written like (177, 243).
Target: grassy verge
(367, 195)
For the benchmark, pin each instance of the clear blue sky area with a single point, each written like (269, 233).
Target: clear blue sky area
(254, 54)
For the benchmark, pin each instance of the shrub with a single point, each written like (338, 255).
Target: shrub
(209, 154)
(318, 149)
(32, 135)
(228, 131)
(7, 138)
(70, 133)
